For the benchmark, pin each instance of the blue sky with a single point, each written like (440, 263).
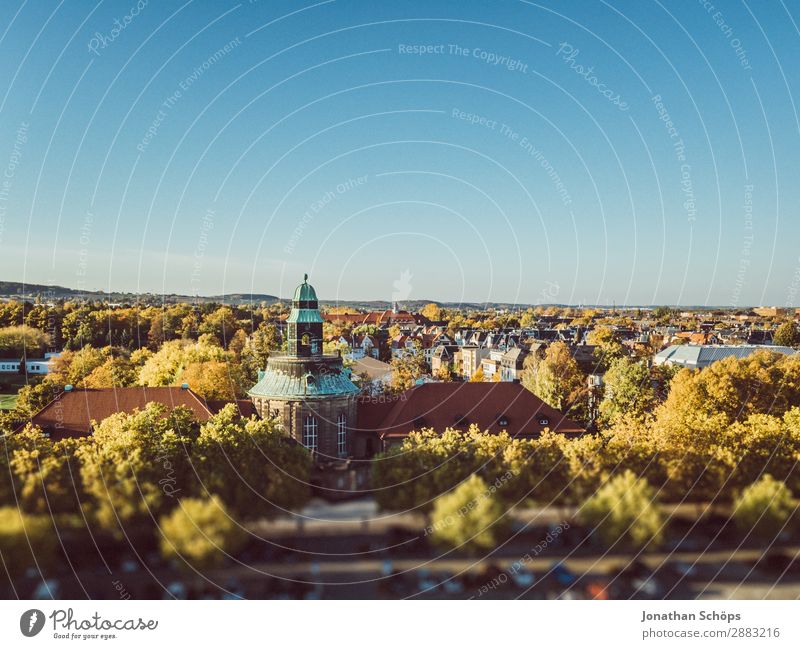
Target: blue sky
(630, 152)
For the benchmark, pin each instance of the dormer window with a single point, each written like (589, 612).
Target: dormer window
(543, 421)
(502, 420)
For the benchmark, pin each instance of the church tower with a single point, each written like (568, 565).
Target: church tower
(305, 322)
(309, 392)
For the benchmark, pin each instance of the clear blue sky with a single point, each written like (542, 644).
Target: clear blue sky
(207, 147)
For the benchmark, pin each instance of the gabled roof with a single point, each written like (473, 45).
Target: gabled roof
(71, 413)
(443, 405)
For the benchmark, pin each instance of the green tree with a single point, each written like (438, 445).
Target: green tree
(251, 465)
(137, 464)
(628, 391)
(765, 509)
(48, 475)
(200, 532)
(35, 396)
(624, 512)
(469, 517)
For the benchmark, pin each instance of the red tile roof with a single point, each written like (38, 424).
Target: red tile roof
(457, 405)
(71, 413)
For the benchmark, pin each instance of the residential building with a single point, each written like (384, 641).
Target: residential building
(700, 356)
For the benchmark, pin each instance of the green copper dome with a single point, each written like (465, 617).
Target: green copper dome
(305, 292)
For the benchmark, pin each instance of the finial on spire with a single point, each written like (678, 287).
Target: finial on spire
(305, 277)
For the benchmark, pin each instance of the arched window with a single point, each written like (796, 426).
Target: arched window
(310, 433)
(341, 434)
(306, 339)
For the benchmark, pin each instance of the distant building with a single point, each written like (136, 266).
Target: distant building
(770, 311)
(377, 372)
(32, 365)
(471, 357)
(512, 364)
(700, 356)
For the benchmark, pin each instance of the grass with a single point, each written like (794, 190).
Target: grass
(8, 401)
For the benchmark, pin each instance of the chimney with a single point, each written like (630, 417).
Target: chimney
(68, 388)
(184, 386)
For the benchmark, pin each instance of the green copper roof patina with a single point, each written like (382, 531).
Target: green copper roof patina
(277, 384)
(305, 292)
(305, 372)
(304, 304)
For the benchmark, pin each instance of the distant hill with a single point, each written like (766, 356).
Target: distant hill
(46, 293)
(18, 290)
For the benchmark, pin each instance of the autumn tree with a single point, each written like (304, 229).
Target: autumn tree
(35, 396)
(215, 380)
(166, 366)
(787, 334)
(73, 367)
(765, 509)
(624, 512)
(22, 339)
(408, 368)
(609, 348)
(221, 324)
(117, 371)
(29, 439)
(557, 380)
(469, 517)
(265, 340)
(427, 464)
(432, 311)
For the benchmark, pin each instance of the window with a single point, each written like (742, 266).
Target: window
(543, 421)
(306, 339)
(341, 434)
(310, 433)
(503, 420)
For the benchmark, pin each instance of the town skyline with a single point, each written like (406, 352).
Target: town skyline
(241, 297)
